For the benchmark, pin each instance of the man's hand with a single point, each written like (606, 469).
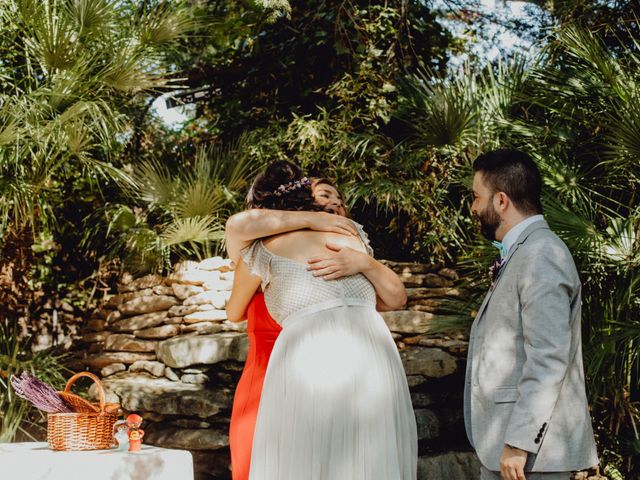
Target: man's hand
(344, 262)
(512, 463)
(329, 222)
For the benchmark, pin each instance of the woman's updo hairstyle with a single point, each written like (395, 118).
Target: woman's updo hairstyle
(282, 186)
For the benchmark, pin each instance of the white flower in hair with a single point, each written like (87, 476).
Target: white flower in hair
(289, 187)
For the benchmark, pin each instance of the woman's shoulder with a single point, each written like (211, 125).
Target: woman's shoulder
(310, 240)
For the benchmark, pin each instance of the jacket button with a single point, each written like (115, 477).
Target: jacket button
(537, 440)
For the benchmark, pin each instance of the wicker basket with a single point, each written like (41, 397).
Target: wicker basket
(80, 405)
(82, 431)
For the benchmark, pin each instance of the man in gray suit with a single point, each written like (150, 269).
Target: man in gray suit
(525, 406)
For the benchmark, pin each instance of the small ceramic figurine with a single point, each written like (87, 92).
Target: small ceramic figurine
(135, 432)
(121, 435)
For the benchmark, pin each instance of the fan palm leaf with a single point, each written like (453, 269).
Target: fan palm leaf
(623, 139)
(579, 233)
(585, 48)
(52, 36)
(232, 164)
(163, 25)
(441, 112)
(130, 72)
(154, 183)
(193, 229)
(622, 244)
(200, 198)
(500, 89)
(92, 16)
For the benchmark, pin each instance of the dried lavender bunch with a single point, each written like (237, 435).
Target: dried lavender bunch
(41, 395)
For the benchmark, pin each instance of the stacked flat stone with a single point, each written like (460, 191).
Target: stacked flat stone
(165, 350)
(157, 324)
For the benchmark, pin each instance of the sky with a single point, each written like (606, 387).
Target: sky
(176, 116)
(171, 117)
(508, 40)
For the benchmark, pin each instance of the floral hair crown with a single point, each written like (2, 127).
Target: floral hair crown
(288, 187)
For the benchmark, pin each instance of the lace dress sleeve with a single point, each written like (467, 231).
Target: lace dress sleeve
(364, 237)
(258, 260)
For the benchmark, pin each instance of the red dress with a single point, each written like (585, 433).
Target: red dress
(262, 331)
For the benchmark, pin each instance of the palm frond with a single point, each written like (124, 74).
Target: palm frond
(165, 24)
(232, 163)
(154, 183)
(622, 244)
(624, 135)
(130, 72)
(441, 112)
(501, 87)
(582, 46)
(201, 198)
(579, 233)
(194, 229)
(92, 16)
(52, 36)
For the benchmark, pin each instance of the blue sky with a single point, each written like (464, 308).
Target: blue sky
(503, 37)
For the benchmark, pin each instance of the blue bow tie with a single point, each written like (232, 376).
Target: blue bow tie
(503, 250)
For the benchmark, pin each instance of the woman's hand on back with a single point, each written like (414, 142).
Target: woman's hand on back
(344, 261)
(341, 262)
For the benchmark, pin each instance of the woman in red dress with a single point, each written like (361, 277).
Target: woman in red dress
(262, 330)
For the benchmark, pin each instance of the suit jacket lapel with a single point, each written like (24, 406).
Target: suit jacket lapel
(523, 237)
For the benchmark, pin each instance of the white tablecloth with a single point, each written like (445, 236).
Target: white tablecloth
(35, 461)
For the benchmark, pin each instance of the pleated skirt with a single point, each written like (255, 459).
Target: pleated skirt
(335, 403)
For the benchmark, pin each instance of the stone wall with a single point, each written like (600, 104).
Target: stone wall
(165, 349)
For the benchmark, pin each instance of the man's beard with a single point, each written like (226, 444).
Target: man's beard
(489, 222)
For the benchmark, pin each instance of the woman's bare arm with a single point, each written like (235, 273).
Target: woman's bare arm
(245, 286)
(245, 227)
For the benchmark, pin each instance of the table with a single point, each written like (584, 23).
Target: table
(35, 461)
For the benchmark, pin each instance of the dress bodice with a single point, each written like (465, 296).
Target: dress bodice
(289, 287)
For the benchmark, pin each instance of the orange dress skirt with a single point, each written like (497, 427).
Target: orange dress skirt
(263, 332)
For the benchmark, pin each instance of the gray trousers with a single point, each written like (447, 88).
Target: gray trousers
(486, 474)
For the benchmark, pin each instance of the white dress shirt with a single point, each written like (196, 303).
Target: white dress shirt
(512, 235)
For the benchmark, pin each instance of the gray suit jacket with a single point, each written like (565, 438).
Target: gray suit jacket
(525, 380)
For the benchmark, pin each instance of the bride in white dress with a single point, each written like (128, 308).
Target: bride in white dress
(335, 403)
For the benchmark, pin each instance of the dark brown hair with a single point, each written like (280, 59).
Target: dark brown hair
(280, 173)
(514, 173)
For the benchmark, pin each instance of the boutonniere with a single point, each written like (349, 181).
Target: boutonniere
(495, 269)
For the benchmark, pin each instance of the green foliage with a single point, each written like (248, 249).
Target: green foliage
(177, 210)
(400, 138)
(266, 70)
(353, 90)
(71, 73)
(67, 70)
(325, 100)
(570, 111)
(15, 357)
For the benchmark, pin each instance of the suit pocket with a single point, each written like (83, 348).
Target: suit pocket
(505, 395)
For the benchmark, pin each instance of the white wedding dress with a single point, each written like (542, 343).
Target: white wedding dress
(335, 403)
